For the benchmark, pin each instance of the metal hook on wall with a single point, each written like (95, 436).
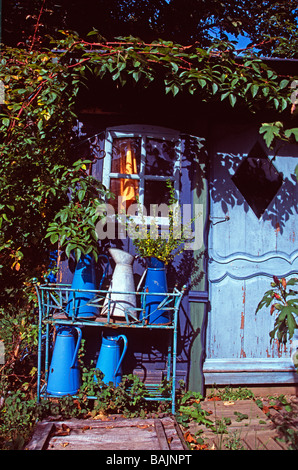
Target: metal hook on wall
(220, 219)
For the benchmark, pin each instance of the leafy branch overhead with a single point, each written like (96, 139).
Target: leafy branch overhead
(214, 73)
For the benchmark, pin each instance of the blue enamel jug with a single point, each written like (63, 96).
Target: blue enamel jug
(155, 283)
(84, 278)
(110, 359)
(64, 375)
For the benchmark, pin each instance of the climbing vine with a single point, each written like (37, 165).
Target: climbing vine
(45, 193)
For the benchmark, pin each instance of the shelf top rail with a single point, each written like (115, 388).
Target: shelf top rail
(57, 303)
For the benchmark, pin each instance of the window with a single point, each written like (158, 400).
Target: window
(138, 162)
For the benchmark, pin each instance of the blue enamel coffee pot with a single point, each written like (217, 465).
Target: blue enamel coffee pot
(110, 359)
(84, 279)
(64, 375)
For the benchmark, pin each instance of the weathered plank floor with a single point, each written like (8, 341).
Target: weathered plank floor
(240, 424)
(110, 434)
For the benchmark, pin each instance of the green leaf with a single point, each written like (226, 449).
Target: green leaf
(283, 84)
(248, 86)
(93, 33)
(232, 99)
(270, 131)
(63, 216)
(54, 238)
(266, 300)
(81, 194)
(224, 95)
(62, 239)
(256, 67)
(254, 90)
(173, 88)
(78, 254)
(214, 88)
(5, 122)
(270, 73)
(292, 282)
(284, 104)
(70, 247)
(291, 323)
(202, 82)
(276, 103)
(293, 131)
(136, 76)
(116, 76)
(174, 67)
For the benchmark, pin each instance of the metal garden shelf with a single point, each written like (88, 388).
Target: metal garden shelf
(53, 300)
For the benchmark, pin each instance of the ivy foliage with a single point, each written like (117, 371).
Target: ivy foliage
(46, 194)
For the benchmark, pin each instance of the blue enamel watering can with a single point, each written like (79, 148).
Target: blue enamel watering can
(109, 360)
(64, 375)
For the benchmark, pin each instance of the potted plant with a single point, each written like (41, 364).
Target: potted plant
(159, 249)
(163, 247)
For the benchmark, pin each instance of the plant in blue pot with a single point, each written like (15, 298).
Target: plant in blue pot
(159, 248)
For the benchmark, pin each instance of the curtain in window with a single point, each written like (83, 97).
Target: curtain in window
(125, 162)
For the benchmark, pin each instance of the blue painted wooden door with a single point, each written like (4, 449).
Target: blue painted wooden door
(244, 253)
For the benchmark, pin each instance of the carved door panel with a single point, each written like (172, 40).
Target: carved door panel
(251, 239)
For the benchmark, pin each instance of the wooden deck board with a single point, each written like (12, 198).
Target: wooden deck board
(113, 434)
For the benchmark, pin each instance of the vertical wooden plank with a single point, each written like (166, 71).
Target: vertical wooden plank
(40, 436)
(198, 323)
(198, 308)
(161, 435)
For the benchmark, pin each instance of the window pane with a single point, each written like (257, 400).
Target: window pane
(156, 192)
(160, 157)
(127, 188)
(126, 156)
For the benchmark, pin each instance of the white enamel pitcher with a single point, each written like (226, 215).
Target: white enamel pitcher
(121, 296)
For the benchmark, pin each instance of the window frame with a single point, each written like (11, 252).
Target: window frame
(143, 133)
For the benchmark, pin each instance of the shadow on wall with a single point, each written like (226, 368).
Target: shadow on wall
(224, 191)
(195, 159)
